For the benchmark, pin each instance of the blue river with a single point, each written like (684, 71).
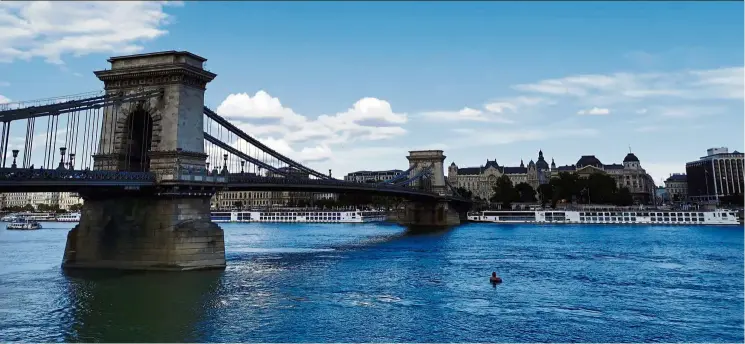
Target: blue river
(379, 283)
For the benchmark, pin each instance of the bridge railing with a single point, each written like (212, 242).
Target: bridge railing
(247, 178)
(24, 174)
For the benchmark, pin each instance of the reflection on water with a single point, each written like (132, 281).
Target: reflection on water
(140, 306)
(382, 283)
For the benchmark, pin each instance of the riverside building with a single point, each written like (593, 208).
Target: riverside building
(481, 180)
(718, 174)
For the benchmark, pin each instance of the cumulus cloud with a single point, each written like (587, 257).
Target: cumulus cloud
(51, 29)
(4, 99)
(310, 139)
(594, 111)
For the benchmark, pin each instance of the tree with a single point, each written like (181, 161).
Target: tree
(565, 186)
(28, 207)
(504, 192)
(599, 188)
(464, 192)
(525, 192)
(676, 198)
(76, 207)
(623, 197)
(546, 193)
(238, 204)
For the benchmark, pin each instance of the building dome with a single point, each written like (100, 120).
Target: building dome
(589, 160)
(630, 158)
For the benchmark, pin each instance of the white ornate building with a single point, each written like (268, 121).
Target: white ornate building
(19, 199)
(629, 174)
(480, 180)
(677, 185)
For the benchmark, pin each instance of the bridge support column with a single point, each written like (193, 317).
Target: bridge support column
(430, 214)
(145, 232)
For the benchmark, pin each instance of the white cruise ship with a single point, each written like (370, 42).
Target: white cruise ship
(718, 217)
(69, 217)
(300, 216)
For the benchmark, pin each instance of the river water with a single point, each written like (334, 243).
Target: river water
(378, 283)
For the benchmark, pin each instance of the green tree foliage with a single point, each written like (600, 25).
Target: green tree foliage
(76, 207)
(525, 192)
(238, 204)
(464, 192)
(504, 192)
(597, 188)
(545, 193)
(623, 198)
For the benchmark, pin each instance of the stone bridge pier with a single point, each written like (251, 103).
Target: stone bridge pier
(169, 227)
(434, 213)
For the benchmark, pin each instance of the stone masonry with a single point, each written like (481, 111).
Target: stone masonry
(169, 227)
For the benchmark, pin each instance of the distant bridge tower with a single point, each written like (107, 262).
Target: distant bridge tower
(430, 213)
(429, 159)
(169, 227)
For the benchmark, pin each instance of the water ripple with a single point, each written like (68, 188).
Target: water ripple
(380, 283)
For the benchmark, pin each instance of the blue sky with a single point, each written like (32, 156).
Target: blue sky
(356, 85)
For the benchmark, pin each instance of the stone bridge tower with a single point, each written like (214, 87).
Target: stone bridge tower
(154, 134)
(169, 227)
(434, 213)
(429, 159)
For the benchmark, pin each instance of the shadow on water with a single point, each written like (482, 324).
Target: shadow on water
(110, 306)
(427, 230)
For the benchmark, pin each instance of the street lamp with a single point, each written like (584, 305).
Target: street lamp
(15, 155)
(62, 158)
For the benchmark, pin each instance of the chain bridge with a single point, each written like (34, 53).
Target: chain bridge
(146, 155)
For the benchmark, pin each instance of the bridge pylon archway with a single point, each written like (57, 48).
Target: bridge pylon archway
(169, 227)
(429, 159)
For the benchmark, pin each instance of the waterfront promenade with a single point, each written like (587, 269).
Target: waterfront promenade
(376, 283)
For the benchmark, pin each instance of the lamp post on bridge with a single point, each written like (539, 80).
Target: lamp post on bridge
(243, 162)
(62, 158)
(225, 164)
(71, 163)
(15, 155)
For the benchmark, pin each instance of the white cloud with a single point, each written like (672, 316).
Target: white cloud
(594, 111)
(4, 84)
(500, 137)
(4, 99)
(465, 114)
(641, 111)
(721, 83)
(306, 139)
(50, 29)
(500, 107)
(304, 155)
(514, 104)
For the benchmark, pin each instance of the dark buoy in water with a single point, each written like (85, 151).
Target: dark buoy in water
(494, 279)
